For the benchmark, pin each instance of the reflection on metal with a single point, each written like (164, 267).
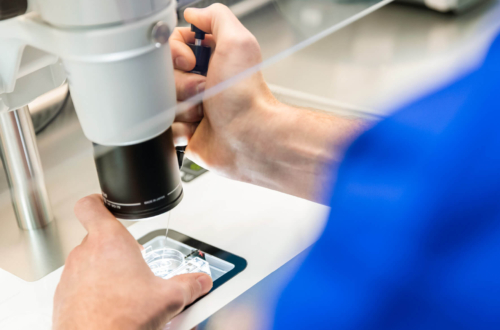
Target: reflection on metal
(24, 169)
(457, 6)
(70, 175)
(47, 107)
(312, 17)
(45, 252)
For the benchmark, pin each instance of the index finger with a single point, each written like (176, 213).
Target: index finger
(217, 20)
(93, 215)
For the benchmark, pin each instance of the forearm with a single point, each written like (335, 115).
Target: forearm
(295, 151)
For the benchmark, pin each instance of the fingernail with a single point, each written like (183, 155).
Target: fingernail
(200, 88)
(205, 282)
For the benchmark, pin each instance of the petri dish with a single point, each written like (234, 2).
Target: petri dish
(163, 261)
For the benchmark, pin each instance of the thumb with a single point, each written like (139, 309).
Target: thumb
(217, 20)
(183, 290)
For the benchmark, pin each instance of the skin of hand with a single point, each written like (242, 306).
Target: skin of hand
(106, 284)
(243, 132)
(235, 50)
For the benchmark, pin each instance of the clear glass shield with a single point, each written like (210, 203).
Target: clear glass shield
(283, 28)
(302, 48)
(280, 27)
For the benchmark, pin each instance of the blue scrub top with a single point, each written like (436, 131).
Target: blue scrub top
(413, 239)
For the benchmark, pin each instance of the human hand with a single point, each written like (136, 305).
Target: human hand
(243, 132)
(220, 133)
(106, 284)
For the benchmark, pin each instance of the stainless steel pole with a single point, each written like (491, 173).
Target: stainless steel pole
(23, 167)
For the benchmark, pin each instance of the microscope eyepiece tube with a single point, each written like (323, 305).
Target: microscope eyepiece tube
(140, 181)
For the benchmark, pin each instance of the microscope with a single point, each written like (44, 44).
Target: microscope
(115, 57)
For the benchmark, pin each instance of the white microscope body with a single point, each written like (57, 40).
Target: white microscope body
(115, 57)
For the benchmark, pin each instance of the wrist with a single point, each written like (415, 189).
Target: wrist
(293, 150)
(256, 144)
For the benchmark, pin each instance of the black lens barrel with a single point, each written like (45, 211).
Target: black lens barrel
(12, 8)
(140, 181)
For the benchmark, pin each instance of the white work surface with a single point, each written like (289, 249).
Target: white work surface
(265, 227)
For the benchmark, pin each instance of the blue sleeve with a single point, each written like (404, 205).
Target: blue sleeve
(413, 239)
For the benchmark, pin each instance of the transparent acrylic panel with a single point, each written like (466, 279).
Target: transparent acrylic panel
(282, 27)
